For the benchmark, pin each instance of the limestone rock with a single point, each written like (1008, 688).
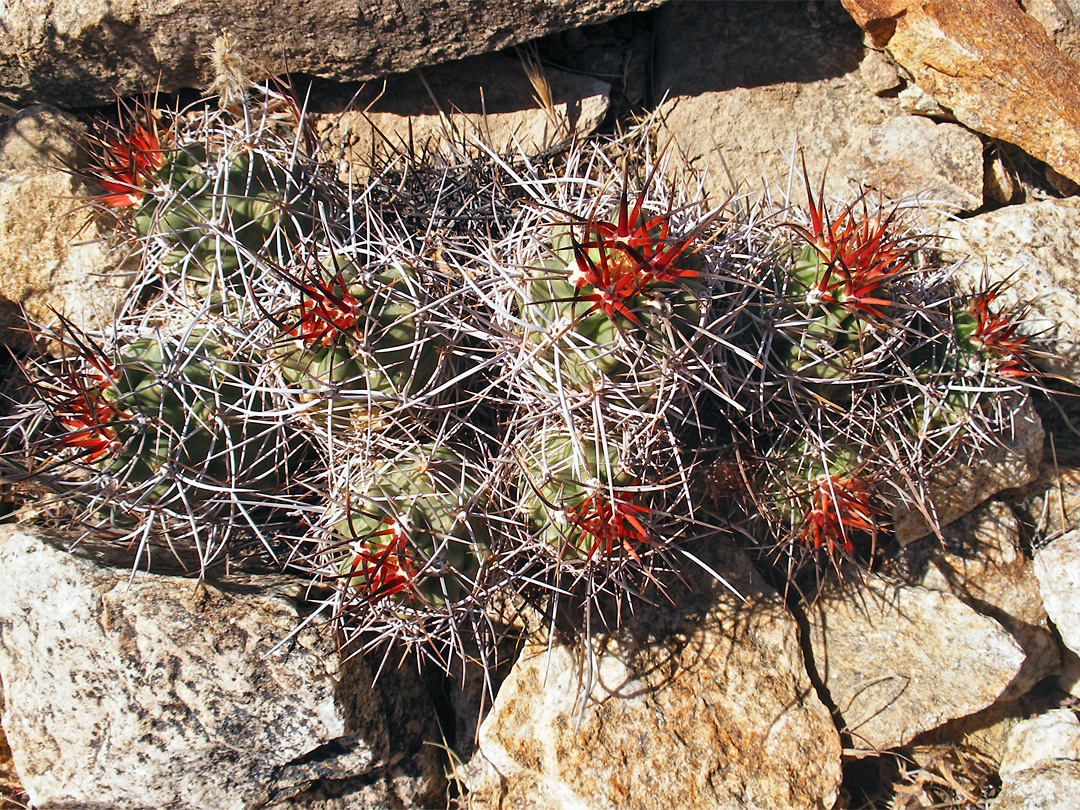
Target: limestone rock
(900, 660)
(145, 691)
(991, 65)
(1057, 565)
(980, 561)
(1035, 246)
(79, 53)
(968, 480)
(55, 257)
(731, 111)
(487, 96)
(706, 705)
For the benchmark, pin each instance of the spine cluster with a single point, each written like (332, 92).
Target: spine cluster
(542, 382)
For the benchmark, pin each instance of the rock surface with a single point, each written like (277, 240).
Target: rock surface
(991, 65)
(147, 691)
(980, 561)
(813, 99)
(1041, 767)
(489, 96)
(1051, 786)
(900, 660)
(1057, 566)
(970, 478)
(55, 258)
(79, 53)
(1061, 20)
(1054, 735)
(1034, 246)
(704, 706)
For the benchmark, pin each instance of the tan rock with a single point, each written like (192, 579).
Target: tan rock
(730, 111)
(81, 52)
(1034, 247)
(56, 258)
(1061, 20)
(1049, 736)
(1053, 785)
(1057, 565)
(704, 706)
(901, 660)
(487, 98)
(991, 65)
(142, 690)
(980, 561)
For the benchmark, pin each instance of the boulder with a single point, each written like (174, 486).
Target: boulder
(745, 119)
(991, 65)
(1041, 767)
(1057, 565)
(979, 560)
(56, 257)
(1061, 20)
(702, 704)
(137, 690)
(488, 98)
(899, 660)
(80, 53)
(1034, 248)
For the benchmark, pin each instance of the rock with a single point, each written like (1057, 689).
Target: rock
(145, 690)
(1057, 565)
(1061, 20)
(1050, 736)
(1000, 185)
(487, 96)
(55, 256)
(984, 734)
(728, 110)
(1034, 246)
(991, 65)
(81, 53)
(900, 660)
(975, 475)
(706, 705)
(1041, 766)
(980, 561)
(10, 786)
(1051, 786)
(878, 73)
(1051, 503)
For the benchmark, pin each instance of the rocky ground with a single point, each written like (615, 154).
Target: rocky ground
(946, 679)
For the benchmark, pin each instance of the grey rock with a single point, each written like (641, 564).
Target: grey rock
(979, 473)
(1034, 246)
(704, 705)
(78, 53)
(729, 110)
(145, 690)
(979, 560)
(898, 660)
(55, 255)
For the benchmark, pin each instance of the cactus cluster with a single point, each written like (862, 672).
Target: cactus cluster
(542, 386)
